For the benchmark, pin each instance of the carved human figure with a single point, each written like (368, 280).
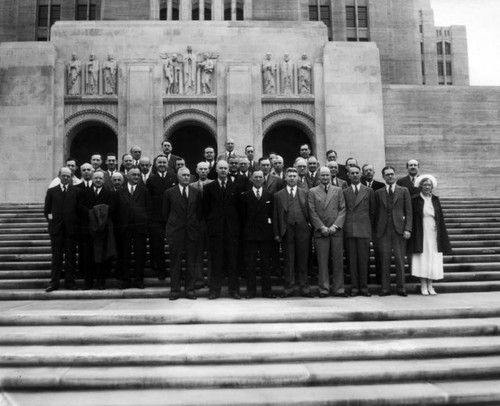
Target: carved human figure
(207, 72)
(286, 75)
(109, 75)
(92, 76)
(304, 75)
(269, 75)
(189, 72)
(74, 76)
(169, 73)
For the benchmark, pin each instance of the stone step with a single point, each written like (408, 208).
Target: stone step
(461, 219)
(22, 222)
(474, 237)
(479, 230)
(474, 250)
(414, 393)
(475, 243)
(24, 237)
(467, 226)
(24, 230)
(249, 376)
(471, 276)
(24, 274)
(471, 258)
(248, 332)
(240, 352)
(25, 243)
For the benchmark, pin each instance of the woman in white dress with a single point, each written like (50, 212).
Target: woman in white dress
(429, 240)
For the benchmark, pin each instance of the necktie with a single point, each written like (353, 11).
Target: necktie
(64, 188)
(132, 190)
(413, 180)
(291, 193)
(356, 190)
(184, 193)
(391, 192)
(326, 189)
(258, 194)
(223, 185)
(96, 191)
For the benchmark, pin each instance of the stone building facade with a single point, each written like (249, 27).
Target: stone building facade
(370, 78)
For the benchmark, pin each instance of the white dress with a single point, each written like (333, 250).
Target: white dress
(428, 264)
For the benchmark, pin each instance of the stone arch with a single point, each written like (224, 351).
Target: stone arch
(290, 117)
(189, 117)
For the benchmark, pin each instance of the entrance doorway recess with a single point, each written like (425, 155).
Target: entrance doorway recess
(285, 140)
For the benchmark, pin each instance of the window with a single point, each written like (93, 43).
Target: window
(448, 69)
(422, 48)
(447, 48)
(350, 16)
(86, 10)
(439, 48)
(357, 23)
(440, 69)
(323, 15)
(362, 17)
(55, 14)
(43, 16)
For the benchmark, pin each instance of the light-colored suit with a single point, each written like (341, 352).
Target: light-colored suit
(339, 182)
(357, 233)
(328, 210)
(391, 221)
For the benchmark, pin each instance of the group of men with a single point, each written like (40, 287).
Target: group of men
(242, 211)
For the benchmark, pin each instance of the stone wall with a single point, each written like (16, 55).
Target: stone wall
(26, 120)
(453, 131)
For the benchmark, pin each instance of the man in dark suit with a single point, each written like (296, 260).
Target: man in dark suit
(235, 176)
(368, 178)
(97, 231)
(229, 152)
(312, 171)
(111, 169)
(60, 210)
(182, 213)
(291, 228)
(127, 164)
(256, 215)
(335, 180)
(209, 155)
(272, 183)
(220, 207)
(360, 203)
(327, 211)
(134, 209)
(250, 155)
(278, 170)
(166, 147)
(408, 181)
(156, 185)
(303, 182)
(331, 156)
(393, 224)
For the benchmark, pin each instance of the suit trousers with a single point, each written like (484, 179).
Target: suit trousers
(262, 250)
(91, 268)
(358, 256)
(177, 249)
(223, 252)
(392, 242)
(157, 247)
(132, 238)
(201, 247)
(63, 247)
(296, 246)
(330, 249)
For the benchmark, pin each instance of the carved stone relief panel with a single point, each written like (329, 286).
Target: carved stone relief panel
(286, 78)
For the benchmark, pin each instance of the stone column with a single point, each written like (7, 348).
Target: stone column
(185, 10)
(201, 7)
(169, 10)
(218, 10)
(154, 10)
(247, 10)
(233, 10)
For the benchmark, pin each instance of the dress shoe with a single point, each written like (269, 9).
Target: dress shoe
(354, 294)
(366, 294)
(235, 296)
(70, 286)
(101, 285)
(341, 294)
(286, 294)
(139, 285)
(402, 293)
(173, 296)
(384, 293)
(250, 297)
(432, 292)
(162, 277)
(190, 296)
(213, 296)
(323, 295)
(269, 295)
(125, 285)
(51, 288)
(87, 286)
(308, 294)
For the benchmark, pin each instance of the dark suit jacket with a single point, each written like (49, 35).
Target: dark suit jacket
(63, 209)
(134, 211)
(304, 184)
(273, 184)
(241, 181)
(281, 209)
(313, 180)
(342, 173)
(376, 185)
(340, 183)
(170, 164)
(256, 216)
(401, 211)
(406, 182)
(360, 212)
(156, 186)
(88, 200)
(326, 209)
(183, 218)
(212, 174)
(220, 209)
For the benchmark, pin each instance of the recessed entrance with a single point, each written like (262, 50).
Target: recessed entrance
(92, 137)
(285, 140)
(190, 141)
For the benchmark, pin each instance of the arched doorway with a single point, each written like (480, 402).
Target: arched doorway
(189, 141)
(285, 140)
(89, 137)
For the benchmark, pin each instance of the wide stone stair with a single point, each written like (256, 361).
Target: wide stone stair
(95, 348)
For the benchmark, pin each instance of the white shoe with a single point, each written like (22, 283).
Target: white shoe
(432, 292)
(423, 290)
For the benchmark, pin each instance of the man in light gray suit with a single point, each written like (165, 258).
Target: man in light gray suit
(327, 212)
(393, 225)
(360, 204)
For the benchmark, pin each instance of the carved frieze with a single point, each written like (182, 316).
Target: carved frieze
(89, 78)
(286, 78)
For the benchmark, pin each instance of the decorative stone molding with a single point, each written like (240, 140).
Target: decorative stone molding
(189, 116)
(305, 106)
(288, 116)
(207, 105)
(91, 115)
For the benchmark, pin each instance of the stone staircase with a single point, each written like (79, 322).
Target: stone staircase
(147, 350)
